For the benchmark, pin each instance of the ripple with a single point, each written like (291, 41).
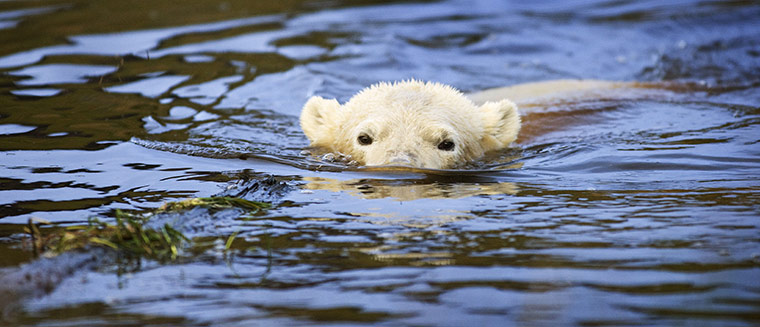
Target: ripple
(7, 129)
(60, 73)
(152, 87)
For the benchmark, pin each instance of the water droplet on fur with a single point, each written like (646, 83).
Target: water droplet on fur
(328, 157)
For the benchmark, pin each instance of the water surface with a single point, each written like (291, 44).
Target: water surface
(607, 212)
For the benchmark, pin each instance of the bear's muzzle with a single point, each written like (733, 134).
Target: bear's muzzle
(402, 158)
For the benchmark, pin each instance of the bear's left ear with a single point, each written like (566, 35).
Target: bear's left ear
(320, 119)
(501, 122)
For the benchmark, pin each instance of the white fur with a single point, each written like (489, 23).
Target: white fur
(407, 121)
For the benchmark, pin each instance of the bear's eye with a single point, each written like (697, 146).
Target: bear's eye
(364, 139)
(446, 145)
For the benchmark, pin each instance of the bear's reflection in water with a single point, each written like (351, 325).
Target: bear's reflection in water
(407, 190)
(445, 186)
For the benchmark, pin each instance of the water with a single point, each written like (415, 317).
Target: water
(609, 211)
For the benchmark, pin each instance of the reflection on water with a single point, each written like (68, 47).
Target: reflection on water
(409, 190)
(632, 208)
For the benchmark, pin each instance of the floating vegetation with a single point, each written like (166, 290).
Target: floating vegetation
(128, 234)
(222, 202)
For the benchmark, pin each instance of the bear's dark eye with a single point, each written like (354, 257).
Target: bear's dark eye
(364, 139)
(446, 145)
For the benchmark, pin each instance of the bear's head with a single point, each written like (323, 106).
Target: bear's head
(410, 123)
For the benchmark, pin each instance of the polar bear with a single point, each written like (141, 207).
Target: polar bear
(410, 123)
(431, 125)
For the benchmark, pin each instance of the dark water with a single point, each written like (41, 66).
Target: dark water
(612, 212)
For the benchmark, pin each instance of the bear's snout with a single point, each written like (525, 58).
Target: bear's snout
(402, 158)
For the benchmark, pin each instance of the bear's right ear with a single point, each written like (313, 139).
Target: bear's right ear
(320, 119)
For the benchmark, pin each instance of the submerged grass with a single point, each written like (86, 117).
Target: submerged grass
(128, 234)
(221, 202)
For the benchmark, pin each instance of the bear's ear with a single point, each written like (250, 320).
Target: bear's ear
(320, 119)
(501, 123)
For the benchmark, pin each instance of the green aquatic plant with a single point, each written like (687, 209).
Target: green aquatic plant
(129, 234)
(221, 202)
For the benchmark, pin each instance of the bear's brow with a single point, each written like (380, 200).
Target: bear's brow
(410, 98)
(438, 133)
